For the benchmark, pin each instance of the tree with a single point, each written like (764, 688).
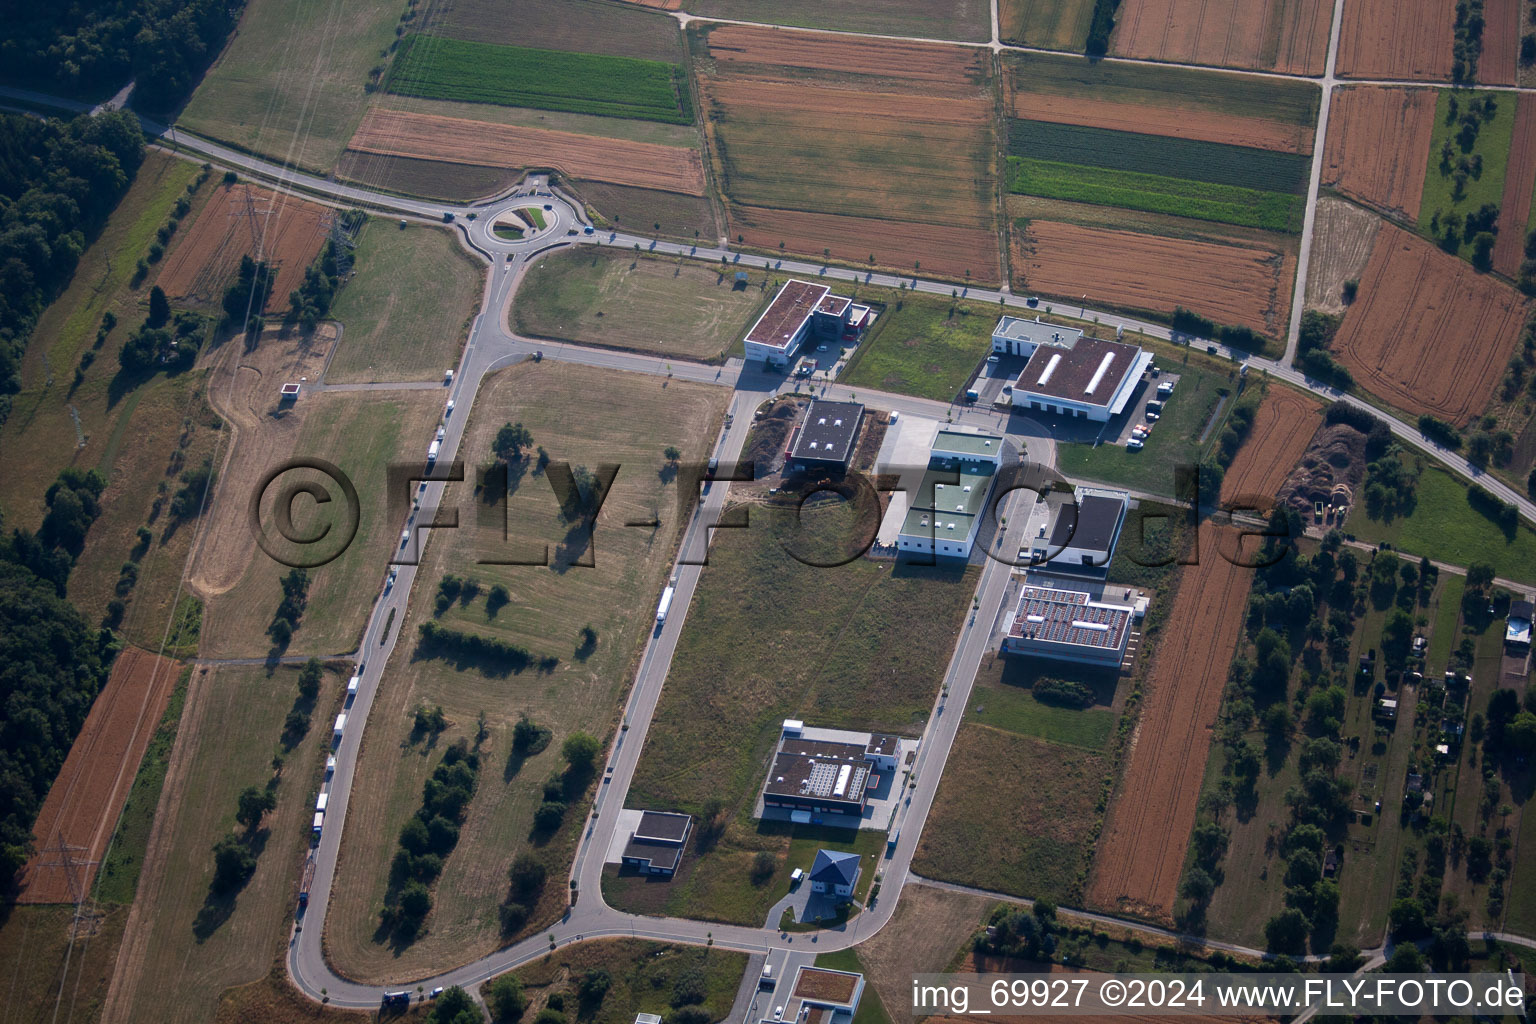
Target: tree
(593, 986)
(254, 802)
(233, 864)
(159, 308)
(1407, 919)
(454, 1006)
(671, 453)
(1197, 886)
(527, 874)
(507, 999)
(309, 678)
(1520, 733)
(763, 866)
(580, 751)
(1480, 575)
(415, 901)
(549, 816)
(510, 442)
(1287, 931)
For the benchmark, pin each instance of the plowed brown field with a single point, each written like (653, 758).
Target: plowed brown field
(1378, 146)
(244, 221)
(1501, 42)
(946, 251)
(947, 70)
(1146, 832)
(1515, 208)
(1428, 333)
(458, 140)
(1290, 36)
(84, 802)
(1174, 121)
(1231, 284)
(1396, 39)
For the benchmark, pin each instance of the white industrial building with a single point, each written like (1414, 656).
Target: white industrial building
(1084, 535)
(1069, 373)
(1067, 625)
(802, 309)
(945, 515)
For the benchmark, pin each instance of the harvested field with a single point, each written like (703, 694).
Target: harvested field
(1396, 40)
(679, 215)
(1289, 36)
(1050, 24)
(943, 251)
(1243, 286)
(458, 140)
(942, 70)
(1177, 122)
(927, 928)
(1341, 244)
(921, 19)
(1499, 62)
(85, 799)
(580, 26)
(1282, 429)
(1141, 851)
(244, 221)
(1428, 334)
(1515, 209)
(429, 179)
(1378, 146)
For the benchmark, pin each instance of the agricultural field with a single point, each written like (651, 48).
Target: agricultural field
(644, 978)
(243, 220)
(672, 307)
(1515, 207)
(965, 19)
(290, 83)
(1503, 27)
(928, 347)
(580, 26)
(1033, 835)
(183, 936)
(406, 309)
(1386, 39)
(436, 67)
(58, 975)
(667, 214)
(456, 140)
(724, 700)
(428, 179)
(1243, 284)
(1203, 180)
(1427, 333)
(1378, 146)
(1443, 525)
(1466, 177)
(905, 130)
(1343, 235)
(1288, 36)
(1282, 428)
(929, 925)
(83, 804)
(609, 582)
(1046, 24)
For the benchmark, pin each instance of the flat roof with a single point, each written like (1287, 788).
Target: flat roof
(881, 743)
(1090, 372)
(1036, 332)
(964, 442)
(1048, 615)
(833, 305)
(661, 855)
(663, 826)
(1090, 524)
(941, 501)
(819, 769)
(828, 431)
(787, 313)
(822, 985)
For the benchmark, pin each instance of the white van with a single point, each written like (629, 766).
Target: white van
(352, 686)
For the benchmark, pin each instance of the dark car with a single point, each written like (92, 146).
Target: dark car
(1032, 302)
(548, 207)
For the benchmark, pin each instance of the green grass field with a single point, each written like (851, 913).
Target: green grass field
(407, 307)
(1446, 528)
(1155, 193)
(1175, 440)
(871, 1009)
(1270, 98)
(653, 304)
(1491, 149)
(586, 83)
(1048, 24)
(642, 974)
(1017, 711)
(290, 84)
(1014, 814)
(967, 20)
(928, 347)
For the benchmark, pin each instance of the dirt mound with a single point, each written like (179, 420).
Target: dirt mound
(1335, 457)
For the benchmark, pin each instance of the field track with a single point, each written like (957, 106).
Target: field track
(1378, 146)
(943, 250)
(1228, 33)
(1282, 427)
(457, 140)
(85, 800)
(1176, 122)
(1397, 40)
(1515, 208)
(237, 222)
(943, 70)
(1428, 333)
(1501, 42)
(1231, 284)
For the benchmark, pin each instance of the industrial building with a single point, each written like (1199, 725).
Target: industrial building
(827, 436)
(1067, 625)
(1069, 373)
(819, 995)
(822, 773)
(1084, 535)
(799, 311)
(945, 515)
(656, 846)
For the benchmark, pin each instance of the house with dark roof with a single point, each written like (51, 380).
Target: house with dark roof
(835, 874)
(827, 435)
(656, 846)
(1084, 535)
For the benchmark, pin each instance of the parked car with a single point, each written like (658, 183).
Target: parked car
(1135, 444)
(1153, 417)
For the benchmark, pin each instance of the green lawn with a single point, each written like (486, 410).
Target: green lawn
(407, 307)
(1018, 711)
(1443, 638)
(675, 307)
(1174, 442)
(1482, 187)
(291, 83)
(923, 346)
(871, 1009)
(1049, 24)
(1445, 527)
(441, 68)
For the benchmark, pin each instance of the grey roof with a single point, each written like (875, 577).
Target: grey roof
(663, 826)
(829, 431)
(660, 855)
(835, 868)
(1089, 524)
